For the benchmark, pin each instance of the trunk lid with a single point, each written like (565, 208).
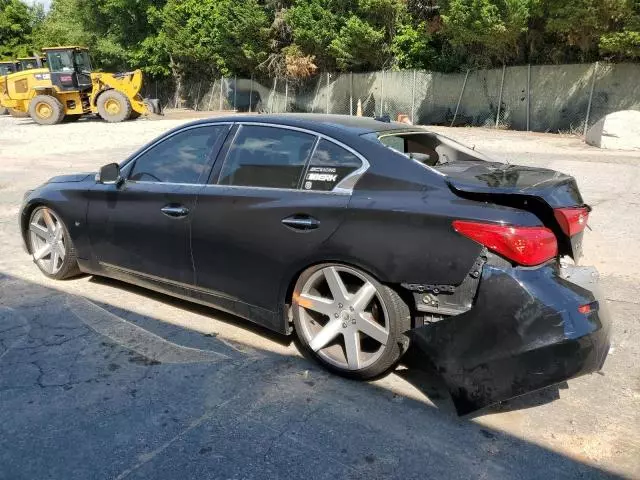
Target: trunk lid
(538, 190)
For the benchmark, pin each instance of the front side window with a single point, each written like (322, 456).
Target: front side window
(266, 157)
(181, 158)
(329, 165)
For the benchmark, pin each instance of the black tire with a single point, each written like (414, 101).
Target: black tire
(71, 118)
(114, 106)
(17, 113)
(134, 115)
(399, 322)
(3, 110)
(46, 110)
(69, 267)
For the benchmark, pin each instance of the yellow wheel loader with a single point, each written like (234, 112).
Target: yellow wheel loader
(6, 67)
(68, 89)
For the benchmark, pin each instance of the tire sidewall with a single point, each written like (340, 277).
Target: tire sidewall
(397, 326)
(53, 102)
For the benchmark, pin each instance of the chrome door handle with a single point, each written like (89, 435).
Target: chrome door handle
(175, 211)
(301, 222)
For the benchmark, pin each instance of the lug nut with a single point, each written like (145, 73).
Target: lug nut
(339, 305)
(353, 321)
(344, 324)
(336, 315)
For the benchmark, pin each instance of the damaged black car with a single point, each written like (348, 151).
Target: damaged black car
(361, 237)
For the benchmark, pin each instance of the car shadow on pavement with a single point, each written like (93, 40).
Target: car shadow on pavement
(84, 395)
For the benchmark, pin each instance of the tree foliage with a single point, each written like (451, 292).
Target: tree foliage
(296, 38)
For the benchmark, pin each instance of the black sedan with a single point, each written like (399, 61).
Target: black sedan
(363, 237)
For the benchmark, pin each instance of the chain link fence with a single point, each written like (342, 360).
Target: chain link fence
(544, 98)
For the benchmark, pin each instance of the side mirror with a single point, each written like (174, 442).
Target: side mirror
(109, 175)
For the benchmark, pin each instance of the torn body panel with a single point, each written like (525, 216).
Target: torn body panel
(524, 332)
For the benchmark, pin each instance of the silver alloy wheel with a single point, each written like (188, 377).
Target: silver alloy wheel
(343, 317)
(48, 243)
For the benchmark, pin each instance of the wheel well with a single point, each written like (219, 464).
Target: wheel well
(95, 99)
(24, 223)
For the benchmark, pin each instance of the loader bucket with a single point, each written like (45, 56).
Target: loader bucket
(153, 106)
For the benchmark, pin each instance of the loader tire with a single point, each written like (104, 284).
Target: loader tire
(46, 110)
(18, 114)
(4, 110)
(114, 106)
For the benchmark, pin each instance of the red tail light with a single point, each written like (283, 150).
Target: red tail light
(572, 220)
(524, 245)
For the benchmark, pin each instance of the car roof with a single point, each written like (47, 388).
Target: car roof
(319, 122)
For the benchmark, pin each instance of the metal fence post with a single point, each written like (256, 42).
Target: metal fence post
(221, 84)
(528, 94)
(273, 95)
(464, 85)
(286, 95)
(327, 94)
(413, 98)
(211, 96)
(382, 95)
(198, 95)
(235, 91)
(504, 68)
(251, 94)
(351, 93)
(593, 86)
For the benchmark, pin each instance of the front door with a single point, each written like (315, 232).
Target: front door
(141, 227)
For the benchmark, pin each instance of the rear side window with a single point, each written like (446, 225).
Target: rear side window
(329, 165)
(181, 158)
(266, 157)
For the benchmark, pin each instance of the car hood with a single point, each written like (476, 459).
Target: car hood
(74, 177)
(481, 177)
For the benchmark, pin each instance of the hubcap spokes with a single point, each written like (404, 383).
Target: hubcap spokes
(47, 240)
(341, 311)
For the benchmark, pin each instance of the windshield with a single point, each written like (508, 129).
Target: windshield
(82, 61)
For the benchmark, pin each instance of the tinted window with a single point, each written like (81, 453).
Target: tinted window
(329, 165)
(181, 158)
(266, 157)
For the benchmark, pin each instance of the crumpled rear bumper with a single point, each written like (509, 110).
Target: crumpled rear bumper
(523, 333)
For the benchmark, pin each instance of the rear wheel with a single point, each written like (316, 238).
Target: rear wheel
(114, 106)
(349, 321)
(50, 244)
(46, 110)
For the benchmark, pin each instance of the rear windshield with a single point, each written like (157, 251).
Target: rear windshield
(428, 148)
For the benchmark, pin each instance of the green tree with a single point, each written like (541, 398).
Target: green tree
(225, 36)
(487, 31)
(17, 21)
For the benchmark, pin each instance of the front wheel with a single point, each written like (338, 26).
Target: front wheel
(349, 321)
(114, 106)
(50, 244)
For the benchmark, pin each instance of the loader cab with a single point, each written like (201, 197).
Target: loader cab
(29, 63)
(7, 68)
(70, 68)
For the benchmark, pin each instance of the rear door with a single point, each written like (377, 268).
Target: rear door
(275, 197)
(142, 226)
